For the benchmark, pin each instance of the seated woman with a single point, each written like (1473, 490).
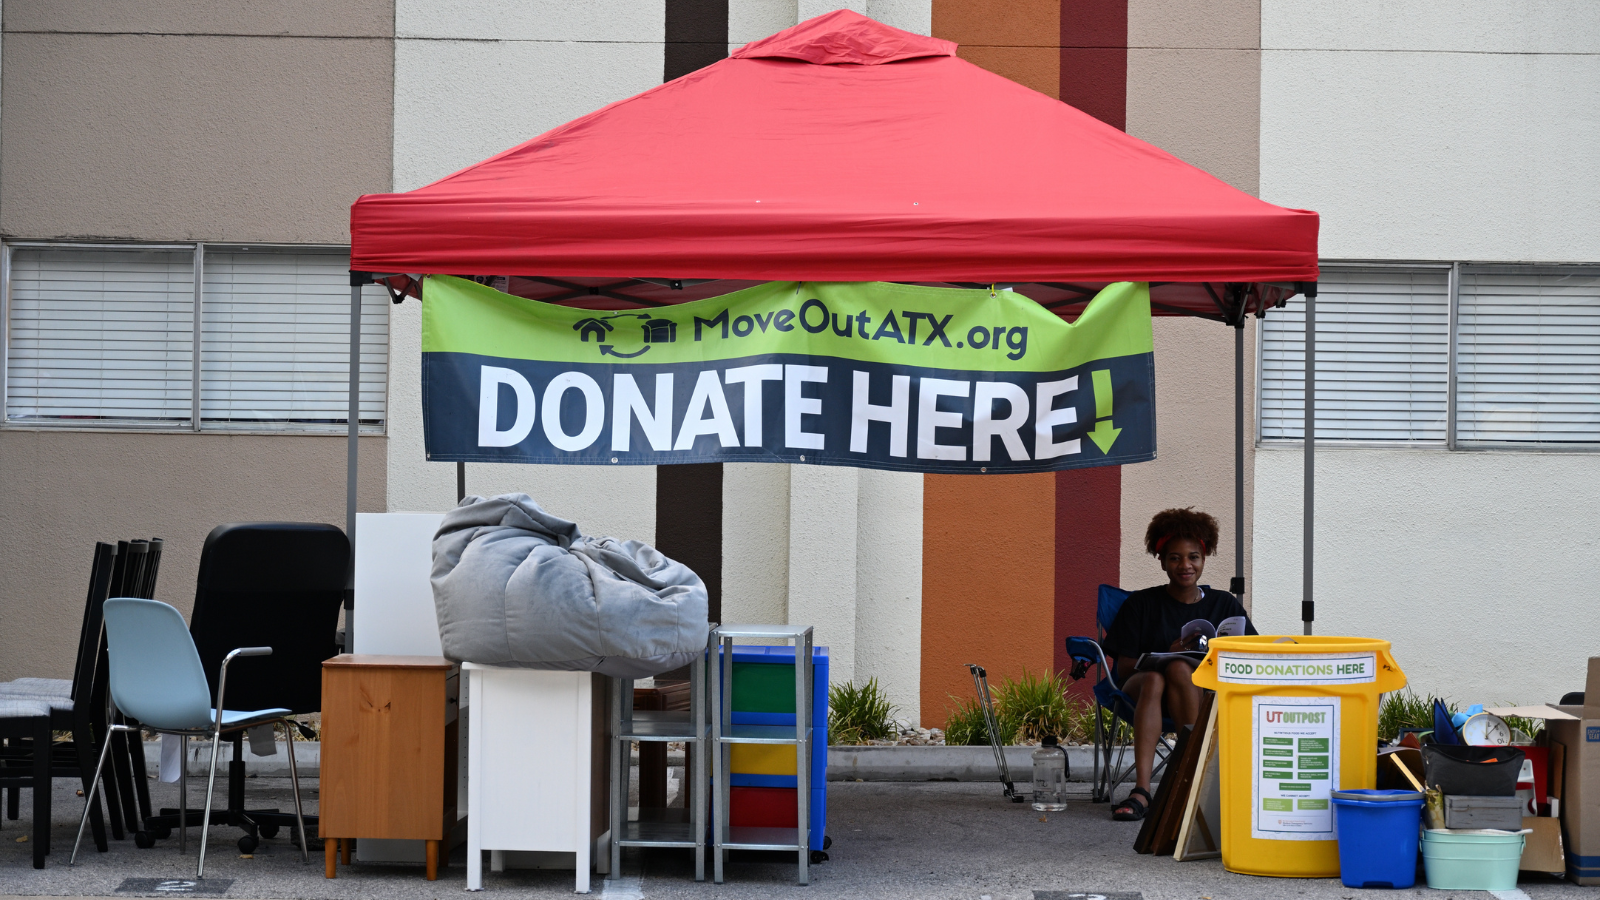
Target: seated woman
(1151, 621)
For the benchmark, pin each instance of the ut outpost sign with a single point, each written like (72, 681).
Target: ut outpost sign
(873, 375)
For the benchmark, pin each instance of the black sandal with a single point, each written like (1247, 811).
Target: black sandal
(1135, 808)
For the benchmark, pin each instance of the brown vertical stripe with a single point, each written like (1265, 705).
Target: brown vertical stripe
(988, 583)
(689, 497)
(1094, 78)
(689, 522)
(1094, 58)
(1088, 546)
(696, 36)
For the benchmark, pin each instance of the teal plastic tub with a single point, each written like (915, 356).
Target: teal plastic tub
(1471, 861)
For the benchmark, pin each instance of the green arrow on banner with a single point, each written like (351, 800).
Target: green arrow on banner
(1103, 435)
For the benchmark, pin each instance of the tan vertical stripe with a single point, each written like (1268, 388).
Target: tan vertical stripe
(1194, 89)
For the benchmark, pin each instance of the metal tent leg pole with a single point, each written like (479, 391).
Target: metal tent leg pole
(1238, 456)
(461, 481)
(1307, 601)
(352, 450)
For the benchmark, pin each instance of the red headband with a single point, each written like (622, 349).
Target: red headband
(1162, 545)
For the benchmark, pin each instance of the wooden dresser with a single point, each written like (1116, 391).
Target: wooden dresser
(389, 731)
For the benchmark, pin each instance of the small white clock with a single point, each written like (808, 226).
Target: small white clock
(1486, 730)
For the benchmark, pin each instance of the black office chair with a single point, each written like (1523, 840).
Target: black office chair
(265, 584)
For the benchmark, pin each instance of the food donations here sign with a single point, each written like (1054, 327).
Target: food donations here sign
(874, 375)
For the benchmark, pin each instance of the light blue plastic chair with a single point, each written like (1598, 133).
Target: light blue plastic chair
(156, 678)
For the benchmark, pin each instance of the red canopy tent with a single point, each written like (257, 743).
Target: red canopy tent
(841, 150)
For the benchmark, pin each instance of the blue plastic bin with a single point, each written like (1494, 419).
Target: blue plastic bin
(1378, 832)
(784, 656)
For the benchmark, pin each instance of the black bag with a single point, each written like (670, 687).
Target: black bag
(1472, 771)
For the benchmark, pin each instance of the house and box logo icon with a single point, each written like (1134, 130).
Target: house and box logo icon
(654, 331)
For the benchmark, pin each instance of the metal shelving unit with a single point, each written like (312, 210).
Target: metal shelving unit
(724, 733)
(684, 827)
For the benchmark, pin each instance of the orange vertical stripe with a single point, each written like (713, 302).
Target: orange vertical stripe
(1018, 39)
(988, 554)
(996, 588)
(988, 581)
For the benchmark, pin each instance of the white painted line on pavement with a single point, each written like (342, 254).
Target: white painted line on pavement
(631, 888)
(1513, 894)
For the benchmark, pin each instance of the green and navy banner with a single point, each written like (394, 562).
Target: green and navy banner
(881, 376)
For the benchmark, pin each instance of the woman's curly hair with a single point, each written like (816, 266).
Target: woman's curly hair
(1181, 524)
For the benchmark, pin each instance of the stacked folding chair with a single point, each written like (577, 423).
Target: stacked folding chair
(78, 706)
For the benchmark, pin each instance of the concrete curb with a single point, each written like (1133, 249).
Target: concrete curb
(307, 757)
(869, 763)
(866, 763)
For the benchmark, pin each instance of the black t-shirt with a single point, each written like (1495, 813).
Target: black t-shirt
(1150, 620)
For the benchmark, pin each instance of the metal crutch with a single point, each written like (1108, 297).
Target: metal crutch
(980, 680)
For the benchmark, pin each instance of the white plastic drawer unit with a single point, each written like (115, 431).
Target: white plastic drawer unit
(530, 780)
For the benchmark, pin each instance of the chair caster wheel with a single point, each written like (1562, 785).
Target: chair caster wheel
(248, 843)
(827, 842)
(268, 831)
(817, 856)
(144, 840)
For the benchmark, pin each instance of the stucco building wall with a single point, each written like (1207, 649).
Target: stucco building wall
(160, 120)
(167, 121)
(473, 78)
(1462, 133)
(60, 491)
(157, 121)
(1477, 565)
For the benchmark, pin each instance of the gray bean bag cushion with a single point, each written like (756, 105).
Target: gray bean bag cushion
(516, 586)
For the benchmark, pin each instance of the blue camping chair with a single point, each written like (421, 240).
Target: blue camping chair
(157, 679)
(1113, 713)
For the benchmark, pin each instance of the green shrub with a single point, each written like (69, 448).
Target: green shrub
(964, 726)
(1034, 706)
(859, 714)
(1026, 710)
(1529, 727)
(1404, 709)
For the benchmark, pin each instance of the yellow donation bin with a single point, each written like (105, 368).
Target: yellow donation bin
(1297, 718)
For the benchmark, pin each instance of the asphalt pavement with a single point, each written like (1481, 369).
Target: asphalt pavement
(932, 840)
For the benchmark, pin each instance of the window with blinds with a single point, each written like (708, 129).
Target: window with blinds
(100, 336)
(1383, 368)
(106, 336)
(1528, 365)
(275, 341)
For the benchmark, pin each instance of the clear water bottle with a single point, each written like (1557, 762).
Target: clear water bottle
(1049, 776)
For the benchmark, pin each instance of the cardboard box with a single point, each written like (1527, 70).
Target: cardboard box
(1576, 729)
(1542, 850)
